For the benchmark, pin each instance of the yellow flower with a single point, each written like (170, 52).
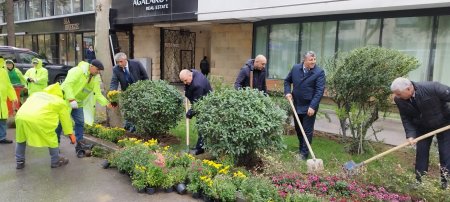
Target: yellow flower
(166, 148)
(239, 174)
(224, 170)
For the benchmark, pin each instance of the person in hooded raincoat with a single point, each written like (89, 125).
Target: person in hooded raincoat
(17, 80)
(36, 77)
(82, 89)
(6, 92)
(36, 122)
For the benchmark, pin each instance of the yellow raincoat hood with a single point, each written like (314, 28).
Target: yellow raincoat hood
(38, 61)
(54, 89)
(39, 75)
(2, 62)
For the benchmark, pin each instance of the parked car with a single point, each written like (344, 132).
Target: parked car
(22, 57)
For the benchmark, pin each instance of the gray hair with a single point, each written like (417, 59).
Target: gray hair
(120, 55)
(309, 54)
(400, 84)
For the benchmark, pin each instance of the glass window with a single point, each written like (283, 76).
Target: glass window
(2, 40)
(319, 37)
(410, 35)
(19, 10)
(27, 42)
(26, 57)
(62, 7)
(88, 5)
(8, 55)
(63, 48)
(283, 49)
(358, 33)
(2, 17)
(51, 48)
(19, 41)
(441, 62)
(76, 6)
(41, 44)
(261, 41)
(49, 8)
(34, 9)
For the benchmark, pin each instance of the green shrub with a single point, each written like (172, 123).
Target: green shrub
(153, 107)
(99, 152)
(126, 159)
(259, 189)
(302, 197)
(223, 189)
(239, 122)
(179, 174)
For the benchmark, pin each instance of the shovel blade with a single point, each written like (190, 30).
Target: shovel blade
(314, 165)
(350, 165)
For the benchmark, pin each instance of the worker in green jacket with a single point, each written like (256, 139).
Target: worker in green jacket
(81, 86)
(15, 75)
(36, 122)
(6, 92)
(37, 77)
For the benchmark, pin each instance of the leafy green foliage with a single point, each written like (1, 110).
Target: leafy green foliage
(259, 189)
(222, 188)
(239, 122)
(126, 159)
(359, 82)
(154, 107)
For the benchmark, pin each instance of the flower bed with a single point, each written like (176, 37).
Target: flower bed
(105, 133)
(333, 188)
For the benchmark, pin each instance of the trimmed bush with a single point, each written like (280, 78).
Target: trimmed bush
(154, 107)
(239, 122)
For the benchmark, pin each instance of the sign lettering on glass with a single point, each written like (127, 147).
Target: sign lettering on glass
(70, 26)
(152, 5)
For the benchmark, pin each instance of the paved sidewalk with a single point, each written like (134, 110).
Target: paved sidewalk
(392, 130)
(80, 180)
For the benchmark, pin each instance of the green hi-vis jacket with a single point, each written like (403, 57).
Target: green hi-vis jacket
(39, 116)
(15, 75)
(77, 86)
(40, 77)
(6, 91)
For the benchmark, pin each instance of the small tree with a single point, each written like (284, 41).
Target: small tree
(239, 123)
(359, 83)
(154, 107)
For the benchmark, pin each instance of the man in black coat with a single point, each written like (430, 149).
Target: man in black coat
(196, 85)
(257, 68)
(204, 66)
(423, 107)
(126, 72)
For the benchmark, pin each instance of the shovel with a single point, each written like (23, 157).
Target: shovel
(314, 165)
(186, 106)
(352, 167)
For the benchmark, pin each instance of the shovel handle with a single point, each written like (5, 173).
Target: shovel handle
(437, 131)
(251, 79)
(186, 106)
(301, 128)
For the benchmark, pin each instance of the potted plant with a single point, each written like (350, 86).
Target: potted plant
(113, 97)
(222, 188)
(179, 177)
(168, 182)
(154, 178)
(138, 178)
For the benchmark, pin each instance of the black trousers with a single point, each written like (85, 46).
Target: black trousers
(423, 155)
(308, 125)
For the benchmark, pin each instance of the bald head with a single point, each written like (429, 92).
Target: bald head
(260, 62)
(186, 76)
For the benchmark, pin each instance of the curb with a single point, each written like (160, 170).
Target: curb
(96, 141)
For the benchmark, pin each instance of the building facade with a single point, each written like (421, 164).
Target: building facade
(284, 29)
(61, 30)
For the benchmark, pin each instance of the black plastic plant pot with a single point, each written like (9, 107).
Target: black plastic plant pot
(150, 190)
(181, 188)
(143, 190)
(105, 164)
(196, 195)
(168, 190)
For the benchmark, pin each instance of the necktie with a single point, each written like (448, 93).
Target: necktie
(414, 103)
(128, 77)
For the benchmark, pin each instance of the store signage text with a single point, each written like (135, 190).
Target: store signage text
(152, 5)
(68, 26)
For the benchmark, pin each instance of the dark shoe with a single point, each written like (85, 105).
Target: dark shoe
(62, 161)
(20, 164)
(303, 157)
(6, 141)
(197, 151)
(444, 185)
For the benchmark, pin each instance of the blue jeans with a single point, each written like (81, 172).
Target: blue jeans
(3, 129)
(78, 118)
(20, 153)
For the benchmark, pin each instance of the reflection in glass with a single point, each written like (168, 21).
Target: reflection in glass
(399, 33)
(19, 41)
(27, 43)
(62, 7)
(358, 33)
(63, 49)
(19, 10)
(319, 37)
(442, 61)
(261, 40)
(48, 8)
(88, 5)
(283, 49)
(34, 9)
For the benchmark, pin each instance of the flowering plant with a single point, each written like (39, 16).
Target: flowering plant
(113, 97)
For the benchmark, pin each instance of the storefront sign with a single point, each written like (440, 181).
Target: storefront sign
(152, 5)
(70, 26)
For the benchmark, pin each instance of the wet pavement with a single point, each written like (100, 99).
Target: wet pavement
(81, 180)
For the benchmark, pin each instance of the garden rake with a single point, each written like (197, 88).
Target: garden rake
(353, 168)
(314, 164)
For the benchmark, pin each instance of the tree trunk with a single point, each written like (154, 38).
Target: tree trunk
(103, 53)
(10, 23)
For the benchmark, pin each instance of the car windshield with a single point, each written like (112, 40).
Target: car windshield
(26, 57)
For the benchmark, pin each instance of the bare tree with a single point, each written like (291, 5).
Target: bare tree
(103, 53)
(10, 22)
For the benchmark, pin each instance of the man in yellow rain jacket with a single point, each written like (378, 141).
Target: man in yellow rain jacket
(36, 122)
(81, 84)
(6, 91)
(37, 77)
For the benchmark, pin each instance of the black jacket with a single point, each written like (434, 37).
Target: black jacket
(259, 77)
(198, 88)
(137, 72)
(433, 110)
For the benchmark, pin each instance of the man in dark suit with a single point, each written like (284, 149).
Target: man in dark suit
(257, 68)
(308, 82)
(196, 85)
(126, 72)
(423, 107)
